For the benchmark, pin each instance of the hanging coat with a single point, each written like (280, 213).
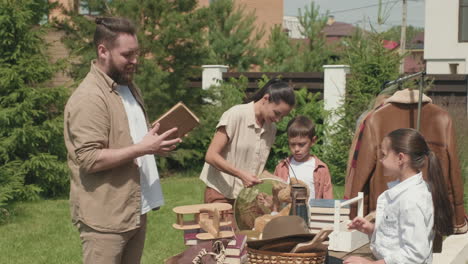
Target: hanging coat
(400, 111)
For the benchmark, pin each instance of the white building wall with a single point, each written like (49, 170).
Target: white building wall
(294, 27)
(441, 46)
(436, 66)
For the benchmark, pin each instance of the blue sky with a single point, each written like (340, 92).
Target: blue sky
(363, 12)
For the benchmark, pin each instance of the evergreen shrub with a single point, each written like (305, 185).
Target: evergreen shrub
(32, 152)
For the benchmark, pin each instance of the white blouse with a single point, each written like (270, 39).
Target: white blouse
(404, 223)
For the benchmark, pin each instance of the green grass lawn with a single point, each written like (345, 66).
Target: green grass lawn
(41, 232)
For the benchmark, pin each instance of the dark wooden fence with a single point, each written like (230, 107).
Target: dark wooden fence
(447, 90)
(313, 81)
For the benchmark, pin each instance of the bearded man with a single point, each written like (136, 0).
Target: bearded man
(111, 146)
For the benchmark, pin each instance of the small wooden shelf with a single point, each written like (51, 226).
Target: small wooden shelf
(195, 210)
(187, 225)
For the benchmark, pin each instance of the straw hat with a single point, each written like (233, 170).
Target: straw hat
(279, 229)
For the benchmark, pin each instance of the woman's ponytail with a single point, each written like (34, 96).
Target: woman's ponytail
(443, 211)
(277, 90)
(411, 142)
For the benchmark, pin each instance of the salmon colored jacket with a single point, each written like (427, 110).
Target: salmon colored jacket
(322, 179)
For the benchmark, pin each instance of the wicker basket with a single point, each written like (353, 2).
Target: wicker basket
(271, 257)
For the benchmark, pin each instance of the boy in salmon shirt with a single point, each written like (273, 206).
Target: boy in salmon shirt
(302, 164)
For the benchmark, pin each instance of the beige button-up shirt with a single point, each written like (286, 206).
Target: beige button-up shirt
(95, 119)
(247, 149)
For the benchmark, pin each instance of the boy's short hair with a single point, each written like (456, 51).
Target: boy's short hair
(301, 126)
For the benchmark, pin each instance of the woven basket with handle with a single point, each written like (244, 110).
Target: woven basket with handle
(271, 257)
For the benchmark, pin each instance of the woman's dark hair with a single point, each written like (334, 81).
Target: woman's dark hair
(301, 126)
(278, 91)
(109, 28)
(412, 143)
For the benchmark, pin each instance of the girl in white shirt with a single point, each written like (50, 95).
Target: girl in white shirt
(412, 210)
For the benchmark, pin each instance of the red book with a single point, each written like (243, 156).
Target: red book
(190, 237)
(236, 245)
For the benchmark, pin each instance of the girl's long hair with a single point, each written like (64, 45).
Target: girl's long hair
(278, 91)
(412, 143)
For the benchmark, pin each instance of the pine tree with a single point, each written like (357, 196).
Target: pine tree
(279, 52)
(232, 37)
(304, 55)
(315, 52)
(32, 152)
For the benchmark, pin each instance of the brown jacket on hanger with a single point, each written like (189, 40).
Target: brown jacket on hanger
(400, 111)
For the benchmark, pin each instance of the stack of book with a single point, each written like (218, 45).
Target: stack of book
(236, 250)
(190, 237)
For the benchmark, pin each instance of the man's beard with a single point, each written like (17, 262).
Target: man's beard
(119, 76)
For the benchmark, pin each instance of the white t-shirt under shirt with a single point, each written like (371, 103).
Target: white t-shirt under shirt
(304, 171)
(151, 192)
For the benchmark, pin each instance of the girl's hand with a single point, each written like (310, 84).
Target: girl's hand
(361, 225)
(357, 260)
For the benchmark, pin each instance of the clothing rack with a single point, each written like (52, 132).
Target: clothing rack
(422, 84)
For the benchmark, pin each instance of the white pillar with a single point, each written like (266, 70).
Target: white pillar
(334, 88)
(212, 75)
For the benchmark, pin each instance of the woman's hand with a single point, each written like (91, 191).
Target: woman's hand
(214, 158)
(361, 225)
(249, 180)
